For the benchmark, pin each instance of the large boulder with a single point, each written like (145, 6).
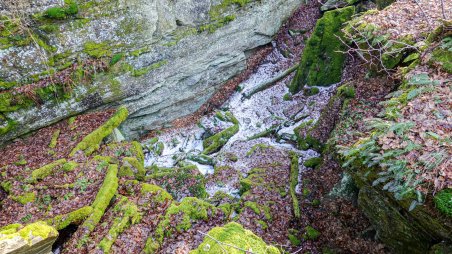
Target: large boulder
(88, 55)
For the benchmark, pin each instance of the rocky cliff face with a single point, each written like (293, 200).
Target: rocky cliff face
(161, 58)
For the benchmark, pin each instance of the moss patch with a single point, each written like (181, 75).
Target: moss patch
(37, 229)
(130, 215)
(54, 140)
(313, 162)
(103, 198)
(25, 198)
(443, 201)
(43, 172)
(97, 50)
(233, 234)
(311, 233)
(76, 217)
(294, 171)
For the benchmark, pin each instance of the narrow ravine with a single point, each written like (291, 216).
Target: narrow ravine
(272, 109)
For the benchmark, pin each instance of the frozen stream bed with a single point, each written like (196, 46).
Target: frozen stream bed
(270, 109)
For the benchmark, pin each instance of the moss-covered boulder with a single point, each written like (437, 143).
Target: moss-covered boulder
(321, 63)
(36, 238)
(233, 234)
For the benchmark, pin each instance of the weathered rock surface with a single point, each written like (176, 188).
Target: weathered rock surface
(176, 54)
(36, 238)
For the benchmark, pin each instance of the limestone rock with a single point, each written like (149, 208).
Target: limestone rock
(173, 55)
(36, 238)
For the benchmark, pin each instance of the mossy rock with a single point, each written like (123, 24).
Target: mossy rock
(311, 233)
(37, 237)
(233, 234)
(313, 162)
(321, 63)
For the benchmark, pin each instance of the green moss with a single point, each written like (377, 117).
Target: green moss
(311, 233)
(137, 150)
(139, 171)
(443, 201)
(294, 240)
(217, 10)
(73, 218)
(161, 196)
(97, 50)
(69, 166)
(102, 200)
(126, 171)
(263, 224)
(313, 162)
(321, 63)
(201, 159)
(6, 125)
(217, 141)
(294, 171)
(54, 140)
(310, 142)
(130, 215)
(287, 97)
(116, 58)
(43, 172)
(6, 186)
(256, 147)
(311, 91)
(70, 8)
(25, 198)
(10, 229)
(27, 233)
(92, 141)
(191, 209)
(146, 70)
(315, 203)
(233, 234)
(253, 206)
(346, 91)
(443, 58)
(212, 27)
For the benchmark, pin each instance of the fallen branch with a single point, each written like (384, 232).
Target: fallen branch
(271, 82)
